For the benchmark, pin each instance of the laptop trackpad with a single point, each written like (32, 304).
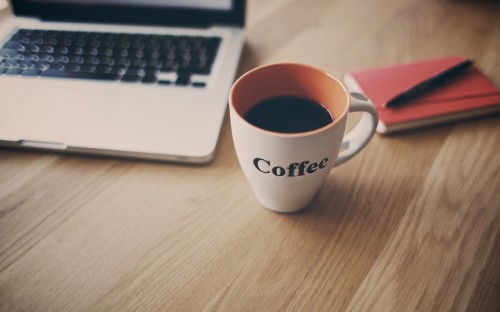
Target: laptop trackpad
(105, 119)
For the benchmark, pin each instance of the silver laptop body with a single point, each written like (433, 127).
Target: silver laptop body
(159, 120)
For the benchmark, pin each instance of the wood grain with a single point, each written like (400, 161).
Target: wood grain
(410, 224)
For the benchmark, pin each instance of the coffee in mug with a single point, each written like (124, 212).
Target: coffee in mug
(289, 114)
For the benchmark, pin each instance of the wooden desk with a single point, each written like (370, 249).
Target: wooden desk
(410, 224)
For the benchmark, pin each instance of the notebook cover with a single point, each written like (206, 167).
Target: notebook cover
(470, 91)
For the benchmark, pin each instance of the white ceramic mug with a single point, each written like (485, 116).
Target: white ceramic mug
(286, 170)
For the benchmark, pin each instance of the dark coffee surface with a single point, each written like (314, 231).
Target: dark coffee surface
(289, 114)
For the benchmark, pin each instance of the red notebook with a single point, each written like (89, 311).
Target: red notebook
(470, 94)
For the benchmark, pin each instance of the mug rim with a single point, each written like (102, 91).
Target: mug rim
(295, 134)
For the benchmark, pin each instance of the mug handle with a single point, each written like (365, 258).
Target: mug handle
(360, 135)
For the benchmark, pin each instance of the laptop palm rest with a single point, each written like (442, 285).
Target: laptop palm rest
(51, 117)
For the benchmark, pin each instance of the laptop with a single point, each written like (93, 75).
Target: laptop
(143, 79)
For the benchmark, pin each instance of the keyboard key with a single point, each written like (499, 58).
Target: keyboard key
(108, 43)
(199, 84)
(165, 82)
(136, 72)
(182, 80)
(57, 66)
(105, 51)
(136, 53)
(89, 59)
(20, 38)
(25, 32)
(31, 56)
(71, 67)
(80, 42)
(90, 51)
(169, 66)
(46, 57)
(61, 58)
(95, 43)
(22, 65)
(151, 71)
(14, 45)
(201, 68)
(38, 32)
(89, 68)
(132, 78)
(103, 69)
(66, 42)
(77, 59)
(61, 50)
(42, 65)
(8, 53)
(76, 51)
(27, 63)
(13, 71)
(37, 41)
(121, 52)
(118, 70)
(47, 49)
(138, 62)
(78, 75)
(33, 47)
(122, 62)
(10, 63)
(51, 41)
(52, 33)
(31, 72)
(149, 79)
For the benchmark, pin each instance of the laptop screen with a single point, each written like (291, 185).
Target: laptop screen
(192, 4)
(199, 13)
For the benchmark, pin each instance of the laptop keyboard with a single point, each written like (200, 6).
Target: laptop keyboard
(139, 58)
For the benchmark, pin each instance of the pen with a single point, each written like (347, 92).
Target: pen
(435, 81)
